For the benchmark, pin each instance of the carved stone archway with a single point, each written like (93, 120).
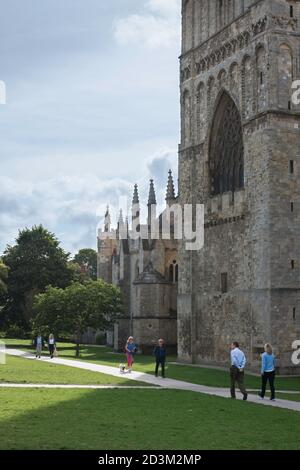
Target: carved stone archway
(226, 150)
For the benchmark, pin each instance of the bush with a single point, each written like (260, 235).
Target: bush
(100, 339)
(16, 332)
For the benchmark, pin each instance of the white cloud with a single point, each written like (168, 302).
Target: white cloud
(73, 206)
(157, 26)
(165, 7)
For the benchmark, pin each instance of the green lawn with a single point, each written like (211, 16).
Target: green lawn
(197, 375)
(19, 370)
(140, 419)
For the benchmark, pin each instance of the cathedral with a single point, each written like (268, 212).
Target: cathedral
(239, 156)
(146, 270)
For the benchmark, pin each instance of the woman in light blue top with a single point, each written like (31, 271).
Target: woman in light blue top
(268, 365)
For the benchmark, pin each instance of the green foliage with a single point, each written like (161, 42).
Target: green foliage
(78, 273)
(87, 260)
(34, 262)
(3, 279)
(15, 331)
(72, 310)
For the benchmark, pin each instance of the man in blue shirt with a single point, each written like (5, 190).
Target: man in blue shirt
(238, 362)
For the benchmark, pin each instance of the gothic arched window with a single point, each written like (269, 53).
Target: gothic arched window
(285, 76)
(226, 148)
(261, 78)
(200, 111)
(173, 272)
(186, 119)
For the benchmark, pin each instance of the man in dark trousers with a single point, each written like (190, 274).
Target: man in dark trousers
(238, 362)
(160, 354)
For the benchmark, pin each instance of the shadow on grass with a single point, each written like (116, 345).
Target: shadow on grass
(142, 419)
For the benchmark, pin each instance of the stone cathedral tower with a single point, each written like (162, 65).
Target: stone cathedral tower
(240, 156)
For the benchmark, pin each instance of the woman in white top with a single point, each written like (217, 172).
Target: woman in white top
(51, 345)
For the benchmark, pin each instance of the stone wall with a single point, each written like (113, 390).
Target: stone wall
(251, 234)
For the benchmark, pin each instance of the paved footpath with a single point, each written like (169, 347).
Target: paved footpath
(151, 380)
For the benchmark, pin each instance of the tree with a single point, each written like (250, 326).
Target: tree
(71, 311)
(78, 273)
(34, 262)
(87, 260)
(3, 279)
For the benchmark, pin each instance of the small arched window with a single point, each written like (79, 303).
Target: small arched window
(261, 78)
(247, 87)
(137, 270)
(186, 118)
(171, 273)
(200, 111)
(285, 76)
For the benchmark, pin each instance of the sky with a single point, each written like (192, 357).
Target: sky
(92, 107)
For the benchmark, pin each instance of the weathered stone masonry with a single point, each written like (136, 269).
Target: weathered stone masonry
(240, 156)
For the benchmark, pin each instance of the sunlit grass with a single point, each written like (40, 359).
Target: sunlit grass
(140, 419)
(20, 370)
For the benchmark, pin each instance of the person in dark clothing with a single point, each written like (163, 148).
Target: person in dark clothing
(160, 354)
(268, 365)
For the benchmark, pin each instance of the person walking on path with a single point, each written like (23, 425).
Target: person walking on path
(238, 363)
(160, 354)
(38, 343)
(130, 350)
(51, 345)
(268, 365)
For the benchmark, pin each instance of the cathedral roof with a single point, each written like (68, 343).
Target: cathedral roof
(150, 276)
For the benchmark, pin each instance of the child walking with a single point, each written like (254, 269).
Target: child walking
(160, 354)
(130, 350)
(268, 371)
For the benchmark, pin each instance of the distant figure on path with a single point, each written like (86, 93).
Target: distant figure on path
(238, 362)
(38, 343)
(51, 345)
(160, 354)
(268, 365)
(130, 350)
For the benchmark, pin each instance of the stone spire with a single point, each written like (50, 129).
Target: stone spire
(135, 210)
(121, 219)
(151, 209)
(170, 196)
(152, 196)
(135, 199)
(107, 220)
(122, 228)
